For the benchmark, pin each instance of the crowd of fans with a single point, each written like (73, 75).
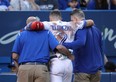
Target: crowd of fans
(68, 5)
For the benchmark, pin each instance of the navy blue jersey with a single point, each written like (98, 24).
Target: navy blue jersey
(87, 50)
(34, 46)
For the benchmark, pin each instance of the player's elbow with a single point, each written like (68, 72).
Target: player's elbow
(60, 47)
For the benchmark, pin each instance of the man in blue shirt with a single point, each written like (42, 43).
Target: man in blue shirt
(31, 54)
(87, 51)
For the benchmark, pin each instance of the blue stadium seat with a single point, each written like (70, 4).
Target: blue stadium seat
(106, 77)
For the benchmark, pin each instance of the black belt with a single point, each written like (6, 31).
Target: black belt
(32, 63)
(53, 57)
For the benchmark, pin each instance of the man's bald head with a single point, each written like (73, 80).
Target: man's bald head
(32, 19)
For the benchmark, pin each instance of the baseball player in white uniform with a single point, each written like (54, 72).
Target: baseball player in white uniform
(61, 68)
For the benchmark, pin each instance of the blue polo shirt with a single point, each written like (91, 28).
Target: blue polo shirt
(34, 46)
(87, 49)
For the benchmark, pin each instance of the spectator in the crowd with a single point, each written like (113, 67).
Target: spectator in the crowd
(97, 5)
(23, 5)
(83, 4)
(4, 4)
(73, 4)
(113, 4)
(110, 67)
(63, 4)
(47, 4)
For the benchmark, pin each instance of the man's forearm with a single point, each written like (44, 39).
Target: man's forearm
(16, 64)
(65, 51)
(15, 58)
(35, 26)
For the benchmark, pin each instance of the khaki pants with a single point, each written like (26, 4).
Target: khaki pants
(84, 77)
(33, 73)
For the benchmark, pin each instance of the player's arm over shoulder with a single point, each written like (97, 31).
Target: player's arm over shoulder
(89, 22)
(85, 23)
(37, 25)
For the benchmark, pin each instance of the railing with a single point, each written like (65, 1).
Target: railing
(11, 77)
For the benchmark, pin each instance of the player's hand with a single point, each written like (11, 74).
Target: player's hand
(36, 25)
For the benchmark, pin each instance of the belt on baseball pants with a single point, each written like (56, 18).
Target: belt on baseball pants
(33, 63)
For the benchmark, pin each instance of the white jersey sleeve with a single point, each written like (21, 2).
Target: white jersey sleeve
(81, 24)
(46, 25)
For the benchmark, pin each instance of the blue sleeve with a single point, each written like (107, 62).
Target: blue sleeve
(80, 40)
(85, 24)
(101, 44)
(16, 47)
(53, 42)
(101, 49)
(100, 40)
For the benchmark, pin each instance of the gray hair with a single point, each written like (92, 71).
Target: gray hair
(32, 18)
(79, 13)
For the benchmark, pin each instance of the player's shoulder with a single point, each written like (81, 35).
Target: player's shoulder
(95, 28)
(21, 33)
(64, 22)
